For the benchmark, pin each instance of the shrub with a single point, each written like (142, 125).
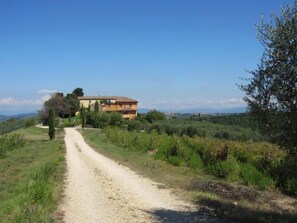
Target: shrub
(172, 129)
(29, 122)
(196, 162)
(11, 142)
(98, 119)
(226, 135)
(234, 161)
(291, 186)
(102, 119)
(241, 155)
(222, 135)
(224, 169)
(284, 173)
(157, 127)
(251, 176)
(155, 115)
(175, 160)
(135, 125)
(173, 151)
(115, 119)
(218, 135)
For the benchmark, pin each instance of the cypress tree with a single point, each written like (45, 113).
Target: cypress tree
(51, 125)
(83, 117)
(96, 106)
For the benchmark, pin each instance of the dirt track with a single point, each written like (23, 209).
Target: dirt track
(100, 190)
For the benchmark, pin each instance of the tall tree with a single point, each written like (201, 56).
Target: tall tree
(71, 104)
(78, 92)
(51, 126)
(155, 115)
(57, 102)
(272, 92)
(96, 106)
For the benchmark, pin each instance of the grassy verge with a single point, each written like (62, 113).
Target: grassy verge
(31, 178)
(214, 196)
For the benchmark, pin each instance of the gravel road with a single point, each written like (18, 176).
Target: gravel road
(99, 190)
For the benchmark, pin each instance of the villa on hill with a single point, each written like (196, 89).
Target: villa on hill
(124, 105)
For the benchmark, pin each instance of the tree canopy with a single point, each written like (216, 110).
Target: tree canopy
(78, 92)
(271, 93)
(71, 104)
(63, 106)
(155, 115)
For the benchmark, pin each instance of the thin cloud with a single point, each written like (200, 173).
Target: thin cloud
(11, 101)
(46, 91)
(232, 101)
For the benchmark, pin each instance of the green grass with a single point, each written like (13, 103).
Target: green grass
(31, 178)
(70, 122)
(212, 195)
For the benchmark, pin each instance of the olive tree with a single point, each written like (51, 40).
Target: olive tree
(271, 93)
(272, 90)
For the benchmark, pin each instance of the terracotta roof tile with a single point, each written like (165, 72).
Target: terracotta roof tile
(116, 98)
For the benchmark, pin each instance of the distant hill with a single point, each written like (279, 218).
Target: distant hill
(143, 110)
(199, 110)
(18, 116)
(3, 118)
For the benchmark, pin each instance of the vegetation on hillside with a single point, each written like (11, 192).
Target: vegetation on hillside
(256, 164)
(31, 174)
(221, 127)
(14, 124)
(204, 126)
(213, 195)
(227, 151)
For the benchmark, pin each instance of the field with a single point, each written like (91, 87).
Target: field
(220, 171)
(31, 174)
(225, 197)
(236, 127)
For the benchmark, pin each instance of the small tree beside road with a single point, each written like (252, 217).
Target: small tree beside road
(51, 126)
(83, 117)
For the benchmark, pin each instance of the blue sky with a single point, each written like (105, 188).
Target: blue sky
(167, 54)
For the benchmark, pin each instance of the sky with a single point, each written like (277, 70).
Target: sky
(167, 54)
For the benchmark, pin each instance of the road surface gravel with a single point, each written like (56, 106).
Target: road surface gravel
(99, 190)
